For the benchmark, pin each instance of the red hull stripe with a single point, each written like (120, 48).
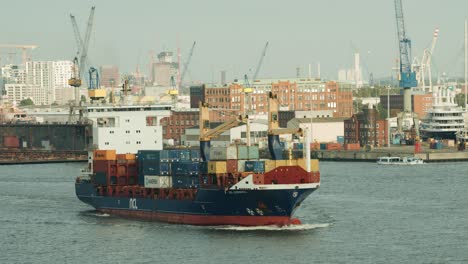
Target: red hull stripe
(191, 219)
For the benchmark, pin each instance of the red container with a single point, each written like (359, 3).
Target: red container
(315, 146)
(11, 141)
(352, 146)
(122, 180)
(417, 147)
(258, 179)
(333, 146)
(231, 166)
(107, 166)
(122, 170)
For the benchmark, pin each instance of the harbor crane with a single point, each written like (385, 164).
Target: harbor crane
(82, 49)
(186, 64)
(260, 62)
(408, 123)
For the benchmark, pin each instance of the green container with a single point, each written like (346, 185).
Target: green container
(253, 152)
(242, 152)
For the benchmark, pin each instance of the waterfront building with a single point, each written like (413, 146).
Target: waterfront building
(366, 128)
(174, 125)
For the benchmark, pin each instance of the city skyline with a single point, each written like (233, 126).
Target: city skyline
(231, 35)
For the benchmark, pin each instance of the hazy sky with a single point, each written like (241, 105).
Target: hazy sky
(230, 35)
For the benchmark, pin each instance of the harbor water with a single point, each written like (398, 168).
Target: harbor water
(363, 213)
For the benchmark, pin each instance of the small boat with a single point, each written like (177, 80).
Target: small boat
(399, 161)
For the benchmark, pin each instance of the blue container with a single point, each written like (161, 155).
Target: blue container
(203, 167)
(164, 168)
(439, 145)
(149, 167)
(184, 155)
(195, 154)
(256, 166)
(100, 178)
(184, 168)
(323, 146)
(184, 181)
(164, 155)
(149, 155)
(340, 139)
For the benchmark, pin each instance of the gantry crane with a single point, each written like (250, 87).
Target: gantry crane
(408, 123)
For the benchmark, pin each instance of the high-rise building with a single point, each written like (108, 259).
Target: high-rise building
(109, 76)
(40, 74)
(164, 69)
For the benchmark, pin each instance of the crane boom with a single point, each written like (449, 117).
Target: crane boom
(260, 62)
(187, 64)
(76, 30)
(84, 52)
(407, 76)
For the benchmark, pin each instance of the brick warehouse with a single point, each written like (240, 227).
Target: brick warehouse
(366, 128)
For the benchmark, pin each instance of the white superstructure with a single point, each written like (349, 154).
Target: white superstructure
(445, 118)
(127, 129)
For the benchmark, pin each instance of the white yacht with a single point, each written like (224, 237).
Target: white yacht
(445, 118)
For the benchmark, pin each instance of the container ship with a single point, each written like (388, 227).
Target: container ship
(208, 186)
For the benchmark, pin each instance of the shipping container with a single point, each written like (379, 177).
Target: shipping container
(241, 165)
(352, 146)
(217, 167)
(149, 167)
(164, 168)
(104, 154)
(126, 156)
(270, 165)
(323, 146)
(100, 178)
(11, 142)
(315, 146)
(107, 166)
(340, 139)
(242, 152)
(184, 181)
(158, 181)
(195, 154)
(333, 146)
(149, 155)
(184, 168)
(253, 152)
(256, 166)
(164, 155)
(223, 153)
(231, 166)
(203, 167)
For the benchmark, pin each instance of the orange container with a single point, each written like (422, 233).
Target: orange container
(333, 146)
(126, 157)
(104, 154)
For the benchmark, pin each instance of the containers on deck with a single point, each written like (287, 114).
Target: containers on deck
(255, 166)
(11, 142)
(104, 154)
(217, 167)
(158, 181)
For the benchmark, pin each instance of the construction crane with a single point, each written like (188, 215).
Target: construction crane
(207, 133)
(260, 62)
(427, 62)
(186, 64)
(23, 48)
(407, 120)
(274, 129)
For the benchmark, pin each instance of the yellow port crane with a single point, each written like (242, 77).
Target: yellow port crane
(75, 80)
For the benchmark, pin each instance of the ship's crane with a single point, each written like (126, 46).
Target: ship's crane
(207, 133)
(407, 120)
(274, 129)
(186, 64)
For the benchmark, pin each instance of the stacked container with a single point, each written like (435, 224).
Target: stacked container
(104, 167)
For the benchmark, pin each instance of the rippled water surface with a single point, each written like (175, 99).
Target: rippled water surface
(363, 213)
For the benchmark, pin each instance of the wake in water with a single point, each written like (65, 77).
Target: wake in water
(301, 227)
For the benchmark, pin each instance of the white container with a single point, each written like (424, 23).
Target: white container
(241, 165)
(158, 181)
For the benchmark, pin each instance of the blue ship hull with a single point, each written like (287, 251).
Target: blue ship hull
(208, 207)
